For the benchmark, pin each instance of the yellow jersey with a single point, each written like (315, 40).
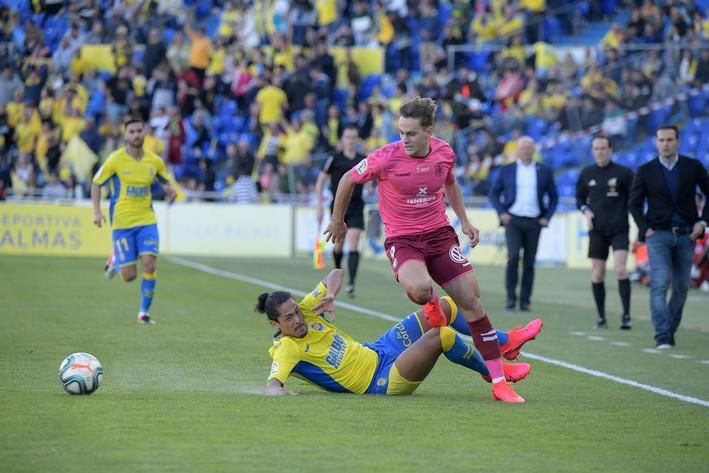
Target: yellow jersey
(325, 356)
(271, 99)
(131, 181)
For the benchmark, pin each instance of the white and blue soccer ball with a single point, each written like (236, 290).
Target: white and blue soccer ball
(80, 373)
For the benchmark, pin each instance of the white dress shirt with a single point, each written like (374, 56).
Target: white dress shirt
(526, 201)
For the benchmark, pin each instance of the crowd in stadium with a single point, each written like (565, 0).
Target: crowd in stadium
(245, 98)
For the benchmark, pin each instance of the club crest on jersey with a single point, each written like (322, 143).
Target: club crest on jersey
(592, 183)
(439, 169)
(362, 166)
(152, 172)
(317, 326)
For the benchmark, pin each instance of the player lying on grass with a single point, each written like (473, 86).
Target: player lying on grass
(309, 346)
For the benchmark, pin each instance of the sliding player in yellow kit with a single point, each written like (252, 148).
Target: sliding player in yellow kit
(309, 346)
(131, 173)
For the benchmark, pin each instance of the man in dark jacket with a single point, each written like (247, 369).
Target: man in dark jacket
(670, 225)
(524, 195)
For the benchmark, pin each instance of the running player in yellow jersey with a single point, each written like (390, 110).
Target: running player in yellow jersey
(131, 173)
(308, 345)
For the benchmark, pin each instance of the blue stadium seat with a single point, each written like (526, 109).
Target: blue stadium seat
(537, 128)
(696, 103)
(341, 96)
(445, 11)
(368, 85)
(608, 7)
(566, 190)
(689, 144)
(228, 109)
(656, 118)
(693, 125)
(552, 29)
(704, 129)
(167, 35)
(477, 60)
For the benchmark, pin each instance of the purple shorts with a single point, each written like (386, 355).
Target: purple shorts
(438, 249)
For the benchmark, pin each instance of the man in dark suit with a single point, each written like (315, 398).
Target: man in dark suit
(670, 225)
(525, 197)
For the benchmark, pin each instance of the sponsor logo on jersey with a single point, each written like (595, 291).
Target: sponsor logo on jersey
(402, 334)
(457, 256)
(337, 351)
(137, 191)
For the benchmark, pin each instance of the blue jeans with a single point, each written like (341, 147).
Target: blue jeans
(670, 263)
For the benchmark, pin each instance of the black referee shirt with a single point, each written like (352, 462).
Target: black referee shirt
(606, 190)
(336, 166)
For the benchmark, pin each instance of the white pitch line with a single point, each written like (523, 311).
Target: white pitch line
(381, 315)
(618, 379)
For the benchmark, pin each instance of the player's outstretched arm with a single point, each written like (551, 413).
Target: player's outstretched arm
(275, 388)
(333, 281)
(337, 229)
(455, 198)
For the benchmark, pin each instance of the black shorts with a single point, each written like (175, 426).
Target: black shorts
(354, 216)
(598, 244)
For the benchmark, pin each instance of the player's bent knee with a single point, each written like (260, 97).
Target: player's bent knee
(419, 295)
(447, 337)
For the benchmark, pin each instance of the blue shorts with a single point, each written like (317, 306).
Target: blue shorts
(129, 243)
(389, 346)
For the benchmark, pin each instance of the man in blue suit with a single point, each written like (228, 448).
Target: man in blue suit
(524, 195)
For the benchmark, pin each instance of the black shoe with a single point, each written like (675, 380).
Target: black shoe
(524, 308)
(350, 291)
(510, 305)
(626, 323)
(601, 323)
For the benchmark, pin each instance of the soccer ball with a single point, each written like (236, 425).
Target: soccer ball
(80, 373)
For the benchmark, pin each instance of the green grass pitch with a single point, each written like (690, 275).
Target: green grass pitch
(185, 395)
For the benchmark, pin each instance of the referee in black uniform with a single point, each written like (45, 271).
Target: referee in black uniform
(335, 167)
(602, 194)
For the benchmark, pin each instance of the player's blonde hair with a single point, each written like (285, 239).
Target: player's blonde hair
(422, 108)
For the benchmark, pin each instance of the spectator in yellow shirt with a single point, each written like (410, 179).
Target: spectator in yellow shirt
(271, 100)
(201, 51)
(15, 108)
(297, 144)
(152, 143)
(26, 132)
(72, 125)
